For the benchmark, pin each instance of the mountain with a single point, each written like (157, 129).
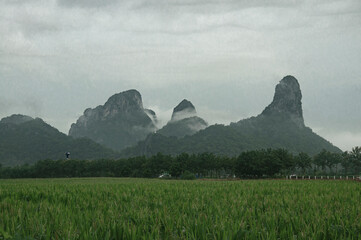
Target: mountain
(184, 121)
(280, 125)
(27, 140)
(287, 102)
(120, 122)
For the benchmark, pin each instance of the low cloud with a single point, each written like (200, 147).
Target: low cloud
(186, 113)
(163, 115)
(214, 116)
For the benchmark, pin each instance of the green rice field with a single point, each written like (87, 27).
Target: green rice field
(111, 208)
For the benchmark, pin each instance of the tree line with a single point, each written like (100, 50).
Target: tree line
(264, 163)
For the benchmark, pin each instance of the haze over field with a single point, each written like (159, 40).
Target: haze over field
(59, 57)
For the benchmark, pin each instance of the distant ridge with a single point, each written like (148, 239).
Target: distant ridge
(16, 119)
(280, 125)
(27, 140)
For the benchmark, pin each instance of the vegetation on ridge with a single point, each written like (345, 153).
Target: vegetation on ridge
(249, 134)
(35, 140)
(249, 164)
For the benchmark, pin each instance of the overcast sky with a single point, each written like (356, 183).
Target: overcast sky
(59, 57)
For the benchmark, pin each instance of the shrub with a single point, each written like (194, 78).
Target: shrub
(187, 175)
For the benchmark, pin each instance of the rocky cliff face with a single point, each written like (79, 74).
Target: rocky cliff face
(120, 122)
(184, 121)
(287, 101)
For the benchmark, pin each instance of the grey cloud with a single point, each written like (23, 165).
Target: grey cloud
(5, 105)
(33, 106)
(31, 26)
(28, 106)
(194, 17)
(214, 4)
(191, 30)
(87, 3)
(226, 56)
(21, 2)
(337, 7)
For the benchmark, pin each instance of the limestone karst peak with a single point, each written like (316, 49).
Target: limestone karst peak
(120, 122)
(125, 100)
(287, 100)
(184, 109)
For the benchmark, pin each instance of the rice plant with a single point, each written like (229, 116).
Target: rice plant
(110, 208)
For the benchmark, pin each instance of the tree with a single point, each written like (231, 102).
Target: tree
(156, 165)
(284, 160)
(334, 159)
(320, 159)
(175, 169)
(355, 156)
(346, 162)
(303, 161)
(250, 163)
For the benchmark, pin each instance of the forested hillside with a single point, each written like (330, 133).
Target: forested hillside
(30, 140)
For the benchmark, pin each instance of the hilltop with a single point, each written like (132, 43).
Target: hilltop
(26, 140)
